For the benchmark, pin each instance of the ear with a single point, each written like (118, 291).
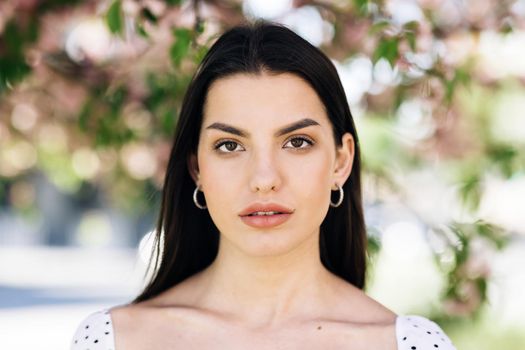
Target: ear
(193, 167)
(344, 160)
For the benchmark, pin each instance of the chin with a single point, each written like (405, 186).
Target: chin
(264, 244)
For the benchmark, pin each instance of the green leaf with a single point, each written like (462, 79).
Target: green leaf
(116, 98)
(373, 241)
(504, 157)
(201, 52)
(13, 66)
(85, 115)
(379, 26)
(388, 49)
(450, 87)
(470, 191)
(411, 26)
(114, 17)
(362, 6)
(174, 2)
(461, 76)
(148, 15)
(199, 27)
(140, 29)
(506, 27)
(181, 46)
(481, 283)
(493, 233)
(168, 122)
(2, 190)
(53, 5)
(411, 38)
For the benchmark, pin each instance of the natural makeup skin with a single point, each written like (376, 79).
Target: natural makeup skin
(266, 143)
(267, 139)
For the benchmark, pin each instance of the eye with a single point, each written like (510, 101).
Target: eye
(298, 142)
(227, 146)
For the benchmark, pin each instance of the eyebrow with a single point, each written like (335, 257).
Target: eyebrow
(303, 123)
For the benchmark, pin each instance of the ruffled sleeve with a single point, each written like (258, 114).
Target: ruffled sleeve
(419, 333)
(95, 332)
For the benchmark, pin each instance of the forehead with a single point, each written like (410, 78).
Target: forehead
(262, 100)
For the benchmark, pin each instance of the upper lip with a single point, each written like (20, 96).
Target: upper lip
(255, 207)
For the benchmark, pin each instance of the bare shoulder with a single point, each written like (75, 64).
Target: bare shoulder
(146, 324)
(143, 325)
(127, 320)
(382, 321)
(362, 308)
(375, 310)
(123, 316)
(361, 320)
(130, 317)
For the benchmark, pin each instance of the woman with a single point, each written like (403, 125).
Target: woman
(261, 232)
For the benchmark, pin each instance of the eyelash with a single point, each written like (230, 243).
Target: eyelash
(304, 138)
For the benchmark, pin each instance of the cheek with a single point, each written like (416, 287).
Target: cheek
(310, 179)
(311, 174)
(220, 183)
(213, 175)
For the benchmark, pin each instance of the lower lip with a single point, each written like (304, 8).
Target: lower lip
(262, 221)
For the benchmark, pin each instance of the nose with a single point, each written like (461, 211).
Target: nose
(265, 175)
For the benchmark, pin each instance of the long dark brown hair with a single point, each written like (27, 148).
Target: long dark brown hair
(186, 239)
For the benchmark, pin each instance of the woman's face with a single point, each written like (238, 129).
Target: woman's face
(267, 140)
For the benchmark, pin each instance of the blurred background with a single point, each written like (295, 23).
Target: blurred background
(90, 93)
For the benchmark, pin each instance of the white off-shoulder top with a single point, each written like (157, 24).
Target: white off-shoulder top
(413, 332)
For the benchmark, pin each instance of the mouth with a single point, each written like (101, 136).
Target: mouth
(265, 213)
(265, 219)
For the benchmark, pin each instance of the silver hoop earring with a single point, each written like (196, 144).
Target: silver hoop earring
(341, 196)
(195, 199)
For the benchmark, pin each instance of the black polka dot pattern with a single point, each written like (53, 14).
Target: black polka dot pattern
(94, 333)
(419, 333)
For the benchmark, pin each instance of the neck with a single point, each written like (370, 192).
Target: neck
(266, 291)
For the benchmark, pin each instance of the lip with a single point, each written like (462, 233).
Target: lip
(265, 207)
(265, 221)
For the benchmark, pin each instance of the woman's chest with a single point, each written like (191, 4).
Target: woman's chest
(318, 337)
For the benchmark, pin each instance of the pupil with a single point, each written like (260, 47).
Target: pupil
(297, 142)
(230, 146)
